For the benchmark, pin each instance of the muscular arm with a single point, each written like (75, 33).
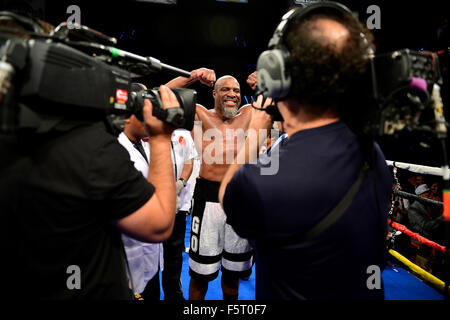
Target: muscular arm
(204, 75)
(154, 221)
(180, 82)
(200, 112)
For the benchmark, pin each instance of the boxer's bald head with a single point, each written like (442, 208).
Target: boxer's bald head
(227, 96)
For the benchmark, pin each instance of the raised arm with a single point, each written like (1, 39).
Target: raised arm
(204, 75)
(252, 80)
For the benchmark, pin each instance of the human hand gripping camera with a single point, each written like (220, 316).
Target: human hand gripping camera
(82, 162)
(160, 173)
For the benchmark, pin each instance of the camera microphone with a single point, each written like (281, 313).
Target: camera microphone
(153, 63)
(90, 38)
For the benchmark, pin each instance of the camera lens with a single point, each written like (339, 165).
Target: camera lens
(183, 117)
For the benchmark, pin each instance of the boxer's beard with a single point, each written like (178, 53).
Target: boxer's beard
(230, 112)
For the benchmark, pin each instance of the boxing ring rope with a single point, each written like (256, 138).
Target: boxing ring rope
(416, 168)
(416, 236)
(421, 272)
(445, 174)
(442, 172)
(410, 196)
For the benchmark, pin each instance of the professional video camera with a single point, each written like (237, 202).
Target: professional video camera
(403, 92)
(406, 93)
(76, 74)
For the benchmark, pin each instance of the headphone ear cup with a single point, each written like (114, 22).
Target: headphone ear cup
(273, 79)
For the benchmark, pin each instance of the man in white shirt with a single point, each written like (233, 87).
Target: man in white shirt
(144, 259)
(183, 154)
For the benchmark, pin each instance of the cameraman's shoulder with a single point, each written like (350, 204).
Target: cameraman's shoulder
(101, 129)
(380, 155)
(97, 135)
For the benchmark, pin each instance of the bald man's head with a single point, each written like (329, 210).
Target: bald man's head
(227, 96)
(329, 33)
(221, 80)
(328, 58)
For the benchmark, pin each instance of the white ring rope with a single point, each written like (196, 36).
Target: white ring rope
(418, 168)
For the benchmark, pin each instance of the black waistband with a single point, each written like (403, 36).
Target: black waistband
(207, 190)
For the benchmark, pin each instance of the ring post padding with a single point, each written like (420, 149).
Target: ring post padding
(446, 200)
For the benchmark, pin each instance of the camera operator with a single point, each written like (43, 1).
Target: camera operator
(65, 196)
(320, 162)
(146, 259)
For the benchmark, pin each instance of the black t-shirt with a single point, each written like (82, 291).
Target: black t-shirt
(316, 168)
(59, 197)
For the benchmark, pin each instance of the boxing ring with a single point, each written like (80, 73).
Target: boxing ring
(416, 168)
(418, 238)
(403, 281)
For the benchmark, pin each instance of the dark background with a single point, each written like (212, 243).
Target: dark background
(228, 38)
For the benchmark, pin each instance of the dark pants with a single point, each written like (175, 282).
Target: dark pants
(152, 289)
(173, 259)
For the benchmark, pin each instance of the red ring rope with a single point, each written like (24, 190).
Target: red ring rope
(417, 236)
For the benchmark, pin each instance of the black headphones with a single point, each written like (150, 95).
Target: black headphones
(29, 24)
(274, 78)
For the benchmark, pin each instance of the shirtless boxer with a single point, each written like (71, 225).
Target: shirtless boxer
(213, 242)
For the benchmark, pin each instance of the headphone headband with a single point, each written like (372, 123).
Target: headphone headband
(274, 78)
(301, 13)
